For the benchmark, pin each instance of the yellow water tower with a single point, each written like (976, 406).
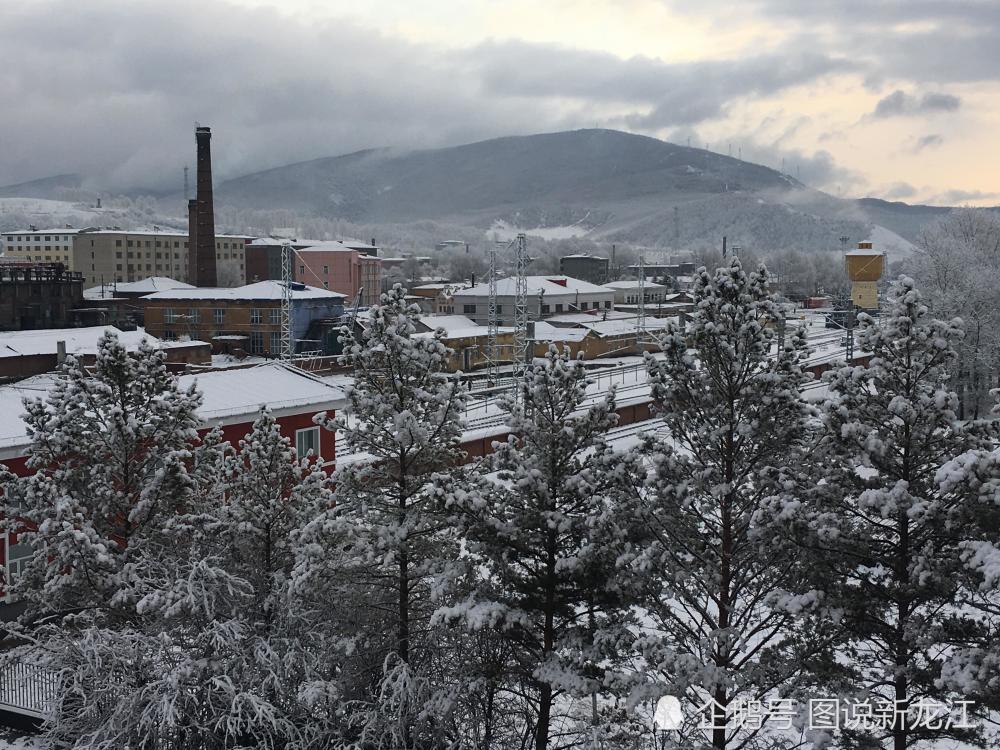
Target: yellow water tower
(865, 267)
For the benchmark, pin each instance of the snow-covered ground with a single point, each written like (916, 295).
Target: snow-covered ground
(504, 231)
(10, 741)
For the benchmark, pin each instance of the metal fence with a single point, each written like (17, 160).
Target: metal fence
(27, 689)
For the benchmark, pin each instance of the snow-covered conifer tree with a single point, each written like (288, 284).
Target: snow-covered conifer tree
(108, 449)
(213, 654)
(724, 615)
(883, 536)
(972, 665)
(545, 539)
(402, 421)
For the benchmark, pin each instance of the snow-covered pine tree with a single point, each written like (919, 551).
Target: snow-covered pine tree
(213, 655)
(724, 620)
(402, 421)
(885, 539)
(972, 666)
(544, 539)
(109, 451)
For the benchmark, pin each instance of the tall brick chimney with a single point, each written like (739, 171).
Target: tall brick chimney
(201, 217)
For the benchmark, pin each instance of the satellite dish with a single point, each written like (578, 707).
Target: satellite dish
(668, 714)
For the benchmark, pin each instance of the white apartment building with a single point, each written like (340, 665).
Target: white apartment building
(547, 296)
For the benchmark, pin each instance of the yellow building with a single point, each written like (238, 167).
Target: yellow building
(109, 255)
(865, 267)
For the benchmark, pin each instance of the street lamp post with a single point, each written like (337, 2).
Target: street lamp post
(667, 718)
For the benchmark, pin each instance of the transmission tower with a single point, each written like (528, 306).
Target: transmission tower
(287, 345)
(520, 305)
(492, 324)
(640, 318)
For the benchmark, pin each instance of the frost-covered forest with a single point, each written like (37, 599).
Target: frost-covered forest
(754, 556)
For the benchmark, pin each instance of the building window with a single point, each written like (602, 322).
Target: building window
(118, 243)
(276, 343)
(469, 309)
(546, 309)
(559, 307)
(274, 316)
(118, 266)
(168, 315)
(195, 313)
(499, 309)
(583, 305)
(307, 440)
(256, 318)
(169, 335)
(326, 270)
(607, 305)
(130, 243)
(302, 270)
(256, 342)
(219, 315)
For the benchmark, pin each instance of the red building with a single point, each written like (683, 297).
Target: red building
(232, 400)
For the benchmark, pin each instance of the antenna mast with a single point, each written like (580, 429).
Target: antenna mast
(286, 301)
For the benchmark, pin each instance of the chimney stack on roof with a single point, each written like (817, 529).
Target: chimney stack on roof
(201, 217)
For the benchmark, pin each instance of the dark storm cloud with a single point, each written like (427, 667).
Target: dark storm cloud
(898, 191)
(676, 93)
(113, 87)
(928, 41)
(899, 103)
(931, 140)
(957, 197)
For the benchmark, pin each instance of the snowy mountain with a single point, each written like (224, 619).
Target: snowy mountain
(605, 185)
(602, 184)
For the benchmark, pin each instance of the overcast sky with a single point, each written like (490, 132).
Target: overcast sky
(893, 99)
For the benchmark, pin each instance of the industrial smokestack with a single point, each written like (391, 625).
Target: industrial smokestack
(201, 234)
(60, 352)
(192, 275)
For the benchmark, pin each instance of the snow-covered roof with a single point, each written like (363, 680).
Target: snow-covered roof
(624, 327)
(632, 284)
(865, 252)
(269, 289)
(305, 246)
(550, 285)
(229, 393)
(584, 255)
(229, 396)
(60, 230)
(345, 244)
(589, 316)
(143, 286)
(448, 322)
(546, 332)
(78, 340)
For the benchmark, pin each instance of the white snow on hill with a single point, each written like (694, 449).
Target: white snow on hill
(885, 239)
(42, 211)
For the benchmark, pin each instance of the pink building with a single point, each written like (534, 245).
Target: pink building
(332, 266)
